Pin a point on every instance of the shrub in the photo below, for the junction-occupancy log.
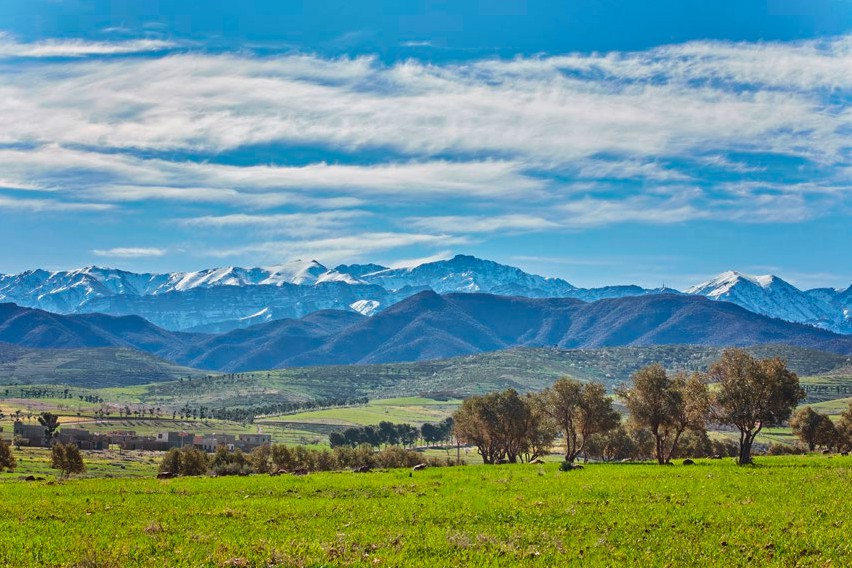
(7, 459)
(260, 459)
(187, 461)
(67, 459)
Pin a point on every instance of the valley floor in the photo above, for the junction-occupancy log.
(784, 511)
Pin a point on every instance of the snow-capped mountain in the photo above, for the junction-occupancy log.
(220, 299)
(469, 274)
(770, 295)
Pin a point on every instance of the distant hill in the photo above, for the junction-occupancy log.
(87, 368)
(37, 328)
(431, 326)
(524, 369)
(427, 326)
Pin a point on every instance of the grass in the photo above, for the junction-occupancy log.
(785, 511)
(410, 410)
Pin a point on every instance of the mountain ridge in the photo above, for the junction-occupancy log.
(426, 326)
(221, 299)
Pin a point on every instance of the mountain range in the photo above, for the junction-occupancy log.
(425, 326)
(223, 299)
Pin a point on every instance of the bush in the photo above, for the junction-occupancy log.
(725, 448)
(7, 459)
(776, 449)
(226, 462)
(67, 459)
(260, 459)
(187, 461)
(694, 444)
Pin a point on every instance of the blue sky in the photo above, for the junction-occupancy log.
(604, 142)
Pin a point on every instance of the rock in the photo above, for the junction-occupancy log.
(30, 478)
(362, 469)
(688, 461)
(844, 453)
(419, 467)
(716, 457)
(278, 472)
(627, 460)
(300, 471)
(537, 461)
(166, 475)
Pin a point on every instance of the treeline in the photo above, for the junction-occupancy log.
(247, 415)
(668, 415)
(279, 458)
(387, 433)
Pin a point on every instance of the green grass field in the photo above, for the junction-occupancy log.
(786, 511)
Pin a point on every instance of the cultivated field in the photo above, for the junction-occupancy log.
(786, 511)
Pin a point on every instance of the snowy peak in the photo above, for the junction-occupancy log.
(464, 273)
(772, 296)
(725, 282)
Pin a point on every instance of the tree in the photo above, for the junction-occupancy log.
(50, 422)
(67, 459)
(812, 428)
(502, 425)
(616, 444)
(844, 428)
(667, 407)
(752, 393)
(579, 410)
(189, 461)
(260, 458)
(7, 459)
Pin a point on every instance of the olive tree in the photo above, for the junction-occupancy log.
(503, 425)
(752, 394)
(813, 429)
(579, 410)
(667, 407)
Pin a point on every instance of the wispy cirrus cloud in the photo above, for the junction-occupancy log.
(129, 252)
(9, 47)
(340, 248)
(50, 205)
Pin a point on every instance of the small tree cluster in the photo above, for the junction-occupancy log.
(67, 459)
(188, 461)
(505, 426)
(814, 429)
(384, 433)
(437, 433)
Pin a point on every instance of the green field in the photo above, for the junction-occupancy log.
(785, 511)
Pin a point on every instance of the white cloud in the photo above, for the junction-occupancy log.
(337, 249)
(122, 177)
(129, 252)
(46, 205)
(674, 100)
(481, 224)
(78, 48)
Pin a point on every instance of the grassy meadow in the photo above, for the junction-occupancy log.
(785, 511)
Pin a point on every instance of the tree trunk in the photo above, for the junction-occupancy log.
(746, 442)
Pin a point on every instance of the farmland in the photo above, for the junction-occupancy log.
(783, 511)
